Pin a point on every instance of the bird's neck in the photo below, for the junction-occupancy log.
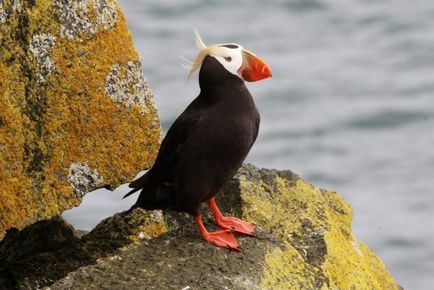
(223, 89)
(232, 100)
(212, 83)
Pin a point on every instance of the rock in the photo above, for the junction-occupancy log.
(320, 251)
(46, 251)
(176, 260)
(304, 241)
(74, 106)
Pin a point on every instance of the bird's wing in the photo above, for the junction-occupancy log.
(167, 155)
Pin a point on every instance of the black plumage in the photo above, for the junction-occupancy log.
(204, 147)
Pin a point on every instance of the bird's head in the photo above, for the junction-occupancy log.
(233, 58)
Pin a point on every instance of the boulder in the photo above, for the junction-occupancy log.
(74, 106)
(46, 251)
(304, 241)
(319, 249)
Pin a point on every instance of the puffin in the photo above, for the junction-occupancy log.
(208, 142)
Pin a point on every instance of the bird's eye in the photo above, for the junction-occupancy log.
(228, 59)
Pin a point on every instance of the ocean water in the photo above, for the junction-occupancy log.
(350, 106)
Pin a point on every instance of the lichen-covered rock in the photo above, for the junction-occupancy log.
(304, 241)
(74, 106)
(46, 251)
(320, 251)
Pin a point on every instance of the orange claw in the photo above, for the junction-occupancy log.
(223, 238)
(231, 223)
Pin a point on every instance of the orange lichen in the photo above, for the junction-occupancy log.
(49, 123)
(13, 179)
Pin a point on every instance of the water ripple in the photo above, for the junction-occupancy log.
(388, 120)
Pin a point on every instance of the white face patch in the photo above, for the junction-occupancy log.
(230, 56)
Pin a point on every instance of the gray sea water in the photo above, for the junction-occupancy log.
(350, 106)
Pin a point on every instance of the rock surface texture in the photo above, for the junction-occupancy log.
(304, 241)
(74, 105)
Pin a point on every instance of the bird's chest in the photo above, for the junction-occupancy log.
(233, 130)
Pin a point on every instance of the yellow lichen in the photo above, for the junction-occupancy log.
(284, 212)
(286, 269)
(350, 263)
(319, 250)
(147, 232)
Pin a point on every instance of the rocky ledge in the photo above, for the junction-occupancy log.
(304, 241)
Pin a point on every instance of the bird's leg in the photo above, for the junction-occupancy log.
(223, 238)
(230, 223)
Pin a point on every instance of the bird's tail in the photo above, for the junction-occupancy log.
(139, 183)
(131, 192)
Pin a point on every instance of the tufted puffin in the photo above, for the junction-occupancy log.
(208, 142)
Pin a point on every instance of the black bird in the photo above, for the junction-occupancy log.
(208, 142)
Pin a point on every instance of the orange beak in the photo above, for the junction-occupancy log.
(254, 68)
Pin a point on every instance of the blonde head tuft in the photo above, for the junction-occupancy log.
(216, 50)
(199, 41)
(200, 56)
(203, 52)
